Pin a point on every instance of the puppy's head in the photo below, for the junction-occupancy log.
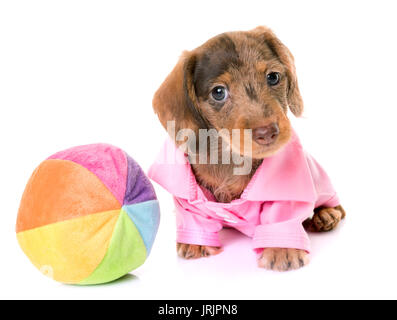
(236, 80)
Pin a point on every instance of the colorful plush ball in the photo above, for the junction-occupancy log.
(88, 215)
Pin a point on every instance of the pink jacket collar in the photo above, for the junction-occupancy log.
(282, 177)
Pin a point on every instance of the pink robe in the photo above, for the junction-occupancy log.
(282, 193)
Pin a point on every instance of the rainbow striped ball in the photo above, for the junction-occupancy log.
(88, 215)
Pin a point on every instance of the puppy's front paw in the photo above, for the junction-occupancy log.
(280, 259)
(193, 251)
(324, 219)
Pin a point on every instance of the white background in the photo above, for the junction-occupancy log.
(78, 72)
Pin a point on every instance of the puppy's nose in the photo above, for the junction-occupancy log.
(267, 134)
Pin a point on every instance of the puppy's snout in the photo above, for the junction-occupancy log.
(266, 135)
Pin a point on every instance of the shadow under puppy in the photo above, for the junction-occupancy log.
(241, 80)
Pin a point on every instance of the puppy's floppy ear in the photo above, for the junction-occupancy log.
(176, 100)
(294, 98)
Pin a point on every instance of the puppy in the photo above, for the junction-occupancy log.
(244, 81)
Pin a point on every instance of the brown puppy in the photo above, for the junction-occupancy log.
(238, 80)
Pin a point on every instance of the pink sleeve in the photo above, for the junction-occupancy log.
(326, 194)
(194, 226)
(281, 225)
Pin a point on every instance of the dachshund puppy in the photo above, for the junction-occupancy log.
(244, 80)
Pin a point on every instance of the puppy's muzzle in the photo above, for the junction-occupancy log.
(266, 135)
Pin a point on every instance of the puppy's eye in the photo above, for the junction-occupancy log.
(219, 93)
(273, 78)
